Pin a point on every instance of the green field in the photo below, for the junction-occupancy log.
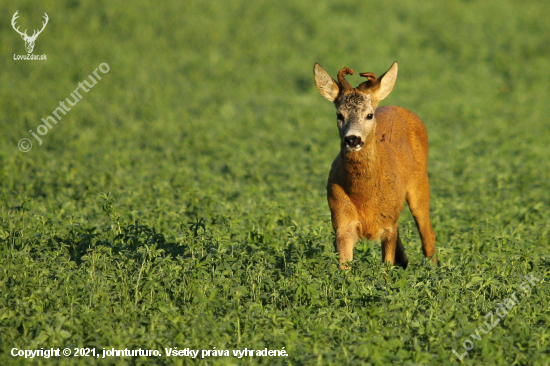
(182, 202)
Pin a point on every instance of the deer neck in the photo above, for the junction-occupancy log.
(361, 168)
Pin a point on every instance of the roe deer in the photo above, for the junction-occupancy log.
(382, 162)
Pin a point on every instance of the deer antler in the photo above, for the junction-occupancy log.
(369, 83)
(35, 35)
(346, 86)
(15, 16)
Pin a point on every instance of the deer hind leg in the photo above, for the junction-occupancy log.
(346, 238)
(418, 200)
(393, 249)
(400, 256)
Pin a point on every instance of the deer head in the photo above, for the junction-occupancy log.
(355, 107)
(29, 41)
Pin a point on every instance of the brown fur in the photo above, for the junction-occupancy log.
(366, 188)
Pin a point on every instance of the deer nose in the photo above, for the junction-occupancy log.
(353, 141)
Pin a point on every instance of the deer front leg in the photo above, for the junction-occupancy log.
(346, 238)
(393, 249)
(345, 221)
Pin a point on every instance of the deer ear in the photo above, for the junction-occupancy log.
(327, 86)
(386, 82)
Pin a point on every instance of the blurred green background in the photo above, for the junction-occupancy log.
(212, 147)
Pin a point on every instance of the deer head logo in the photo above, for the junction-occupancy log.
(29, 41)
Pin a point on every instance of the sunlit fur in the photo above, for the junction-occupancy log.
(366, 188)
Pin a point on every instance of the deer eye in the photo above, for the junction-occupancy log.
(339, 116)
(369, 116)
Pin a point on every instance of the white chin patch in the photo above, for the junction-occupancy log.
(354, 149)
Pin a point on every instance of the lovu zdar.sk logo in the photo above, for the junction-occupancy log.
(29, 40)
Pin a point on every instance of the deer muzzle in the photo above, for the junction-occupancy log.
(353, 142)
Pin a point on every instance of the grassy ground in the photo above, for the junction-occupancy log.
(181, 203)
